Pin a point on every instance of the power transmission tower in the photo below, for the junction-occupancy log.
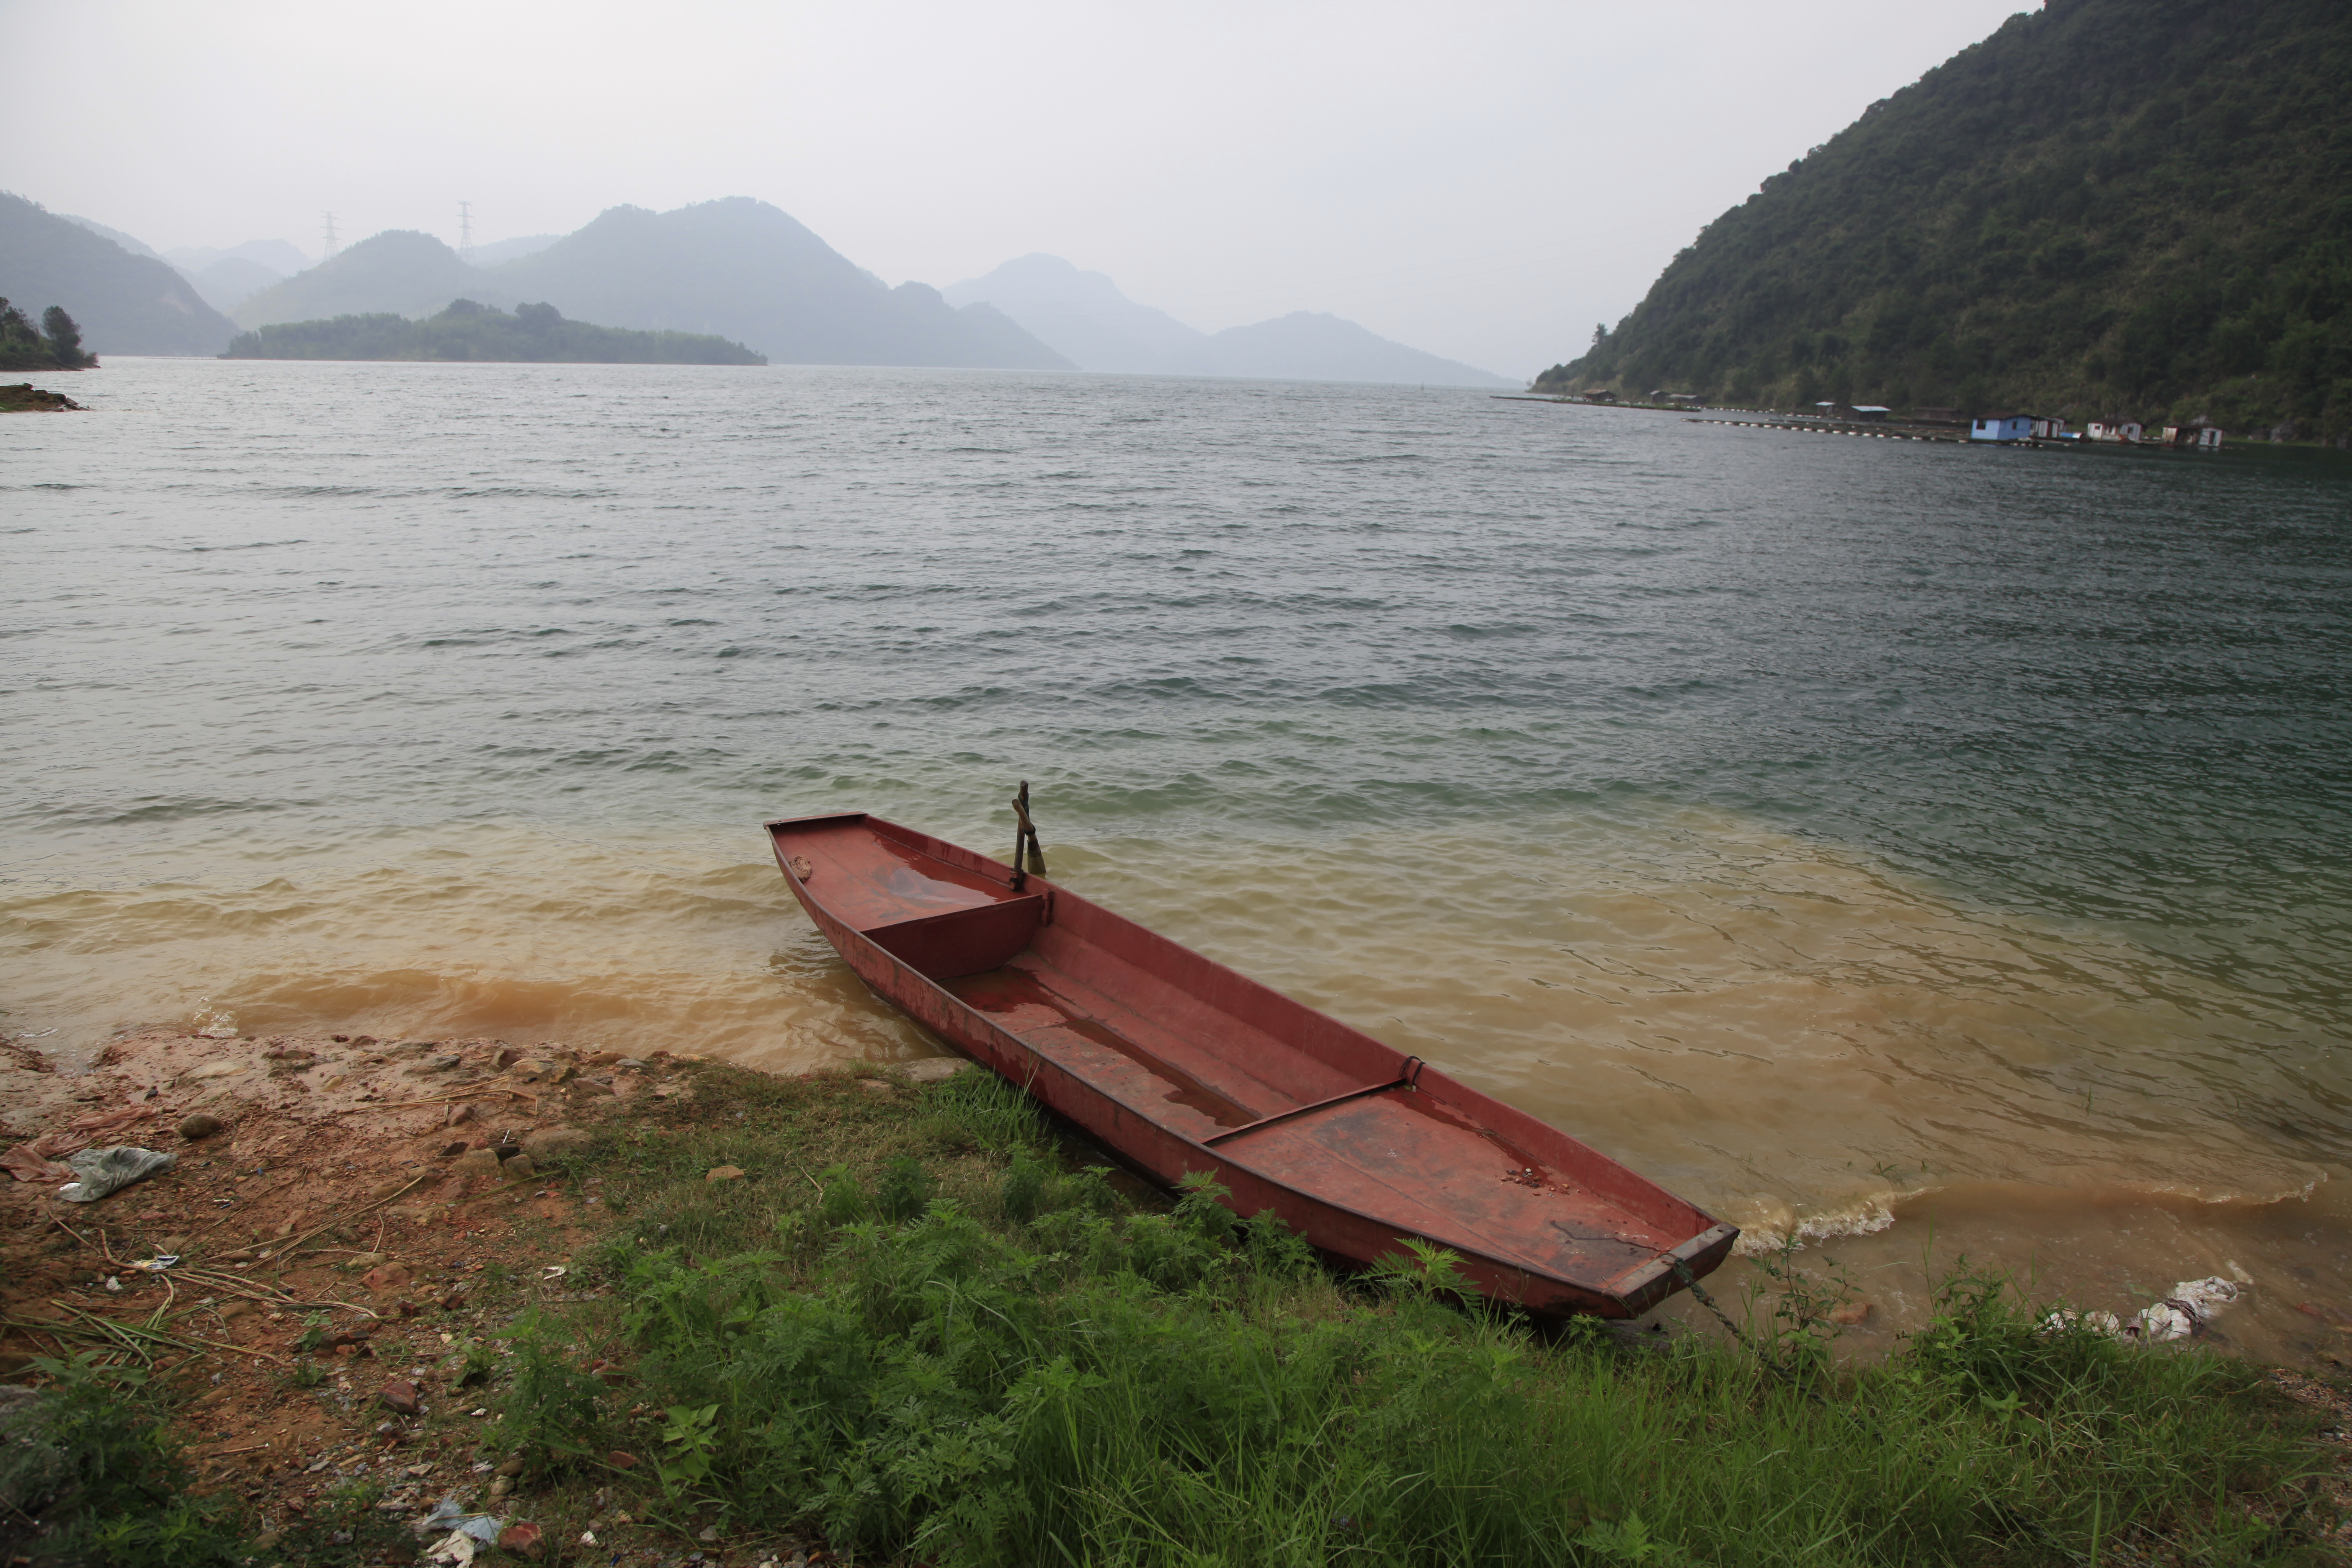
(330, 234)
(466, 230)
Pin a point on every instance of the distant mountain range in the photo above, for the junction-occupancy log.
(1085, 317)
(124, 301)
(735, 269)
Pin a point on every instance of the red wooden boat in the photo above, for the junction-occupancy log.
(1178, 1064)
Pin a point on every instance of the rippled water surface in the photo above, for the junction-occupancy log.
(1853, 835)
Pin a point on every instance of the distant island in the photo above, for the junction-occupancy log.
(467, 331)
(56, 344)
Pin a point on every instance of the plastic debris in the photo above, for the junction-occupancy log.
(449, 1514)
(155, 1265)
(2192, 1304)
(456, 1549)
(104, 1171)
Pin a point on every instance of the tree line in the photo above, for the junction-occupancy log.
(469, 330)
(54, 344)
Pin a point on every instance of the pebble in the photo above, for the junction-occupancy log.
(399, 1397)
(936, 1069)
(723, 1173)
(520, 1539)
(203, 1125)
(1851, 1314)
(546, 1143)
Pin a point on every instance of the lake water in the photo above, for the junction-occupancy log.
(1891, 843)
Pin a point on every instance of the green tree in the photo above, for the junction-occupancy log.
(65, 337)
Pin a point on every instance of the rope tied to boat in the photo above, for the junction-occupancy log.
(1025, 842)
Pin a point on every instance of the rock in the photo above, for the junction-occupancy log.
(876, 1086)
(399, 1397)
(212, 1070)
(936, 1069)
(549, 1142)
(451, 1150)
(459, 1114)
(709, 1533)
(512, 1467)
(1851, 1314)
(499, 1487)
(588, 1089)
(621, 1461)
(519, 1169)
(477, 1163)
(520, 1539)
(505, 1057)
(563, 1072)
(203, 1125)
(444, 1064)
(601, 1059)
(628, 1064)
(386, 1276)
(723, 1173)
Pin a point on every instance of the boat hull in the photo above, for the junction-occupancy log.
(1179, 1065)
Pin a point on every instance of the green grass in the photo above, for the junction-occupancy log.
(919, 1327)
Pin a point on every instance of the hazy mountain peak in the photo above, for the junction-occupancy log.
(399, 271)
(280, 256)
(136, 247)
(1086, 317)
(124, 302)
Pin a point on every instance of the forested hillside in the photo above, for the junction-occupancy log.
(2109, 207)
(126, 304)
(471, 331)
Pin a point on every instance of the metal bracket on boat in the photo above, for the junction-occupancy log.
(1410, 1075)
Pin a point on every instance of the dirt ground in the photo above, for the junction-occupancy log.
(355, 1199)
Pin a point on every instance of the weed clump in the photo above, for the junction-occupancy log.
(89, 1475)
(951, 1342)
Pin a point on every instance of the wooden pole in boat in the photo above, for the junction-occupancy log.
(1025, 842)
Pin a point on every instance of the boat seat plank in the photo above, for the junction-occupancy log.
(870, 880)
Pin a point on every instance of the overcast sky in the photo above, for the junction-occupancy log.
(1485, 181)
